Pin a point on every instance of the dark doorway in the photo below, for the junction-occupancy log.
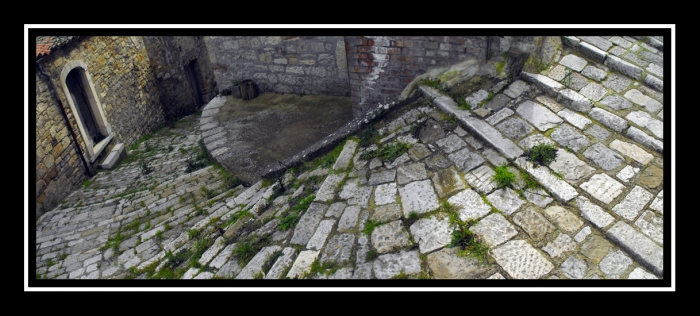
(192, 68)
(76, 86)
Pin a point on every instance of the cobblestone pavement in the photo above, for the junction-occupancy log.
(595, 212)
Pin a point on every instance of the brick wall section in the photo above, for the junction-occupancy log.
(282, 64)
(125, 86)
(380, 67)
(169, 57)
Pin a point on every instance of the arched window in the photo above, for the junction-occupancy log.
(80, 92)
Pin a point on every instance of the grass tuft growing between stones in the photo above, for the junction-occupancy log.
(542, 154)
(503, 176)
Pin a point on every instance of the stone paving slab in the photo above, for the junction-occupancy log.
(614, 264)
(499, 116)
(255, 265)
(574, 268)
(563, 218)
(561, 190)
(602, 187)
(645, 120)
(345, 156)
(515, 128)
(603, 156)
(319, 237)
(348, 221)
(571, 168)
(481, 179)
(624, 67)
(608, 119)
(308, 223)
(516, 88)
(658, 203)
(505, 200)
(494, 230)
(627, 173)
(382, 177)
(539, 116)
(639, 98)
(329, 187)
(411, 172)
(633, 203)
(465, 160)
(521, 261)
(563, 244)
(543, 83)
(574, 119)
(446, 182)
(389, 265)
(431, 234)
(533, 223)
(390, 236)
(281, 264)
(593, 213)
(631, 150)
(339, 248)
(597, 41)
(385, 193)
(419, 197)
(574, 100)
(387, 213)
(643, 138)
(652, 226)
(574, 62)
(302, 263)
(469, 204)
(447, 264)
(593, 72)
(616, 102)
(593, 91)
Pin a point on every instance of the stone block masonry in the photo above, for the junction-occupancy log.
(281, 64)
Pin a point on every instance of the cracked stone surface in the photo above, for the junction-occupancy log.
(431, 233)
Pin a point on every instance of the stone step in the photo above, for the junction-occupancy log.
(477, 126)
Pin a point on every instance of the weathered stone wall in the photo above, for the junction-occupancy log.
(169, 57)
(282, 64)
(125, 86)
(58, 167)
(381, 66)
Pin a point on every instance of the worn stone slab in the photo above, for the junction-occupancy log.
(208, 255)
(634, 59)
(494, 230)
(658, 204)
(348, 221)
(521, 261)
(638, 245)
(398, 161)
(643, 138)
(617, 82)
(561, 190)
(255, 264)
(616, 102)
(574, 268)
(329, 187)
(389, 265)
(499, 116)
(574, 119)
(651, 225)
(593, 213)
(375, 163)
(450, 143)
(593, 91)
(538, 197)
(470, 205)
(563, 218)
(539, 116)
(389, 237)
(481, 179)
(574, 100)
(410, 173)
(382, 177)
(638, 273)
(627, 173)
(281, 264)
(516, 88)
(604, 157)
(618, 51)
(592, 52)
(562, 244)
(594, 73)
(571, 168)
(614, 264)
(656, 70)
(319, 237)
(476, 144)
(574, 62)
(558, 73)
(419, 197)
(385, 193)
(447, 264)
(437, 162)
(608, 119)
(418, 152)
(493, 137)
(598, 132)
(475, 98)
(483, 111)
(631, 150)
(498, 102)
(624, 67)
(307, 224)
(645, 120)
(345, 156)
(493, 157)
(571, 41)
(363, 247)
(620, 41)
(515, 128)
(387, 213)
(336, 209)
(431, 233)
(362, 271)
(652, 177)
(654, 83)
(550, 103)
(505, 200)
(596, 248)
(603, 187)
(338, 249)
(446, 182)
(547, 85)
(565, 135)
(596, 41)
(465, 160)
(633, 203)
(533, 223)
(302, 263)
(534, 140)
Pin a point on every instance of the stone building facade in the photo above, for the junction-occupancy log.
(98, 91)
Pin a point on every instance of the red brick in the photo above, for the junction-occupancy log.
(404, 58)
(363, 56)
(370, 42)
(360, 69)
(393, 51)
(364, 49)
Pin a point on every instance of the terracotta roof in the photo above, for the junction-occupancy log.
(45, 44)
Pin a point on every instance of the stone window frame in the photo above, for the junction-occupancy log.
(93, 150)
